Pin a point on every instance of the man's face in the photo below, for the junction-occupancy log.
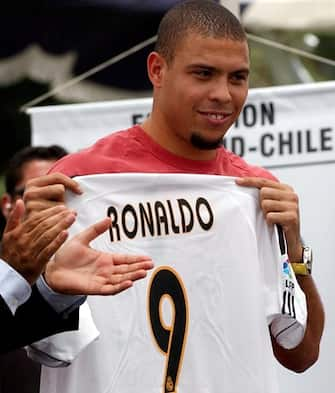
(30, 170)
(202, 92)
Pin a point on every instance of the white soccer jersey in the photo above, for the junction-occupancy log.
(199, 323)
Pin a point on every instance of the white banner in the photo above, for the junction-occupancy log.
(288, 129)
(278, 126)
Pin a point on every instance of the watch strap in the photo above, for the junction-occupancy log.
(300, 268)
(304, 267)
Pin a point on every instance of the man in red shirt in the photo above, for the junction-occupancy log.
(199, 72)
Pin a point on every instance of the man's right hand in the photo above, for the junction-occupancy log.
(28, 244)
(78, 269)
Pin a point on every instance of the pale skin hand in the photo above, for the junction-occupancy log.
(49, 190)
(28, 244)
(280, 205)
(79, 269)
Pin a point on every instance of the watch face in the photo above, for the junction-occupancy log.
(307, 258)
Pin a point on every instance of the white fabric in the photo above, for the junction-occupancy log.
(55, 351)
(233, 279)
(296, 15)
(14, 289)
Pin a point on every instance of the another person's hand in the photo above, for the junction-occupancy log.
(46, 191)
(79, 269)
(280, 205)
(28, 244)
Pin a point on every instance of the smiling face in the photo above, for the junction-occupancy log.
(198, 95)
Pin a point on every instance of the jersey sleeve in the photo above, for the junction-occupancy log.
(285, 302)
(61, 349)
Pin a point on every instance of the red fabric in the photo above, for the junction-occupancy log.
(133, 150)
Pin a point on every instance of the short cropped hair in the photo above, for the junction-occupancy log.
(205, 17)
(14, 171)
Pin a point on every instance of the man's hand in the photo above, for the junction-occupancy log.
(27, 245)
(79, 269)
(46, 191)
(280, 205)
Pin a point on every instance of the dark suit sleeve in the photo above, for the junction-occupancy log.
(33, 320)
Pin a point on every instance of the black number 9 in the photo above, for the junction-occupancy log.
(165, 283)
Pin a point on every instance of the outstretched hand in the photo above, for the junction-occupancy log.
(280, 205)
(79, 269)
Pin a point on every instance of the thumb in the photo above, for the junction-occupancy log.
(94, 231)
(15, 216)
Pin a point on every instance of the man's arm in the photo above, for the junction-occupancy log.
(27, 246)
(75, 269)
(306, 353)
(32, 321)
(280, 205)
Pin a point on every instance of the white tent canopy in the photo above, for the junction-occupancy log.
(298, 15)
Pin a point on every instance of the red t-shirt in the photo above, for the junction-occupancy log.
(133, 150)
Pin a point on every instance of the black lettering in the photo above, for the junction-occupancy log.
(299, 142)
(174, 227)
(267, 113)
(146, 219)
(289, 284)
(161, 218)
(137, 118)
(238, 145)
(310, 148)
(325, 138)
(249, 115)
(285, 142)
(130, 233)
(112, 213)
(182, 203)
(204, 225)
(252, 114)
(267, 152)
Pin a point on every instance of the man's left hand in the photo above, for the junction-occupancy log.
(280, 205)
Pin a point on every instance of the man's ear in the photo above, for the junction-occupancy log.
(6, 204)
(156, 66)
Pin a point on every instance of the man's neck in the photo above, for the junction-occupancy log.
(175, 144)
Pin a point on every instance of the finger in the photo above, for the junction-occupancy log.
(55, 178)
(279, 195)
(54, 192)
(130, 267)
(50, 215)
(286, 219)
(128, 259)
(45, 233)
(122, 282)
(257, 182)
(110, 289)
(278, 206)
(47, 252)
(128, 272)
(15, 216)
(94, 231)
(36, 206)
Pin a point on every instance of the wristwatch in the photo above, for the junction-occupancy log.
(304, 268)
